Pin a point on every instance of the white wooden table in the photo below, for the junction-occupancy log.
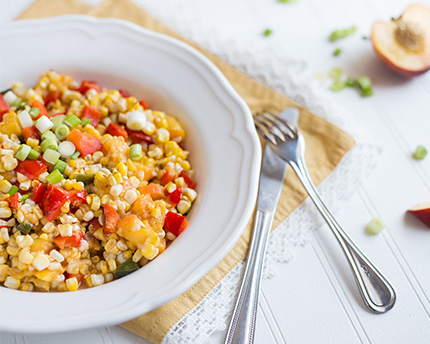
(314, 299)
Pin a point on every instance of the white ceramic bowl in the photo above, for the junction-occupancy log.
(225, 152)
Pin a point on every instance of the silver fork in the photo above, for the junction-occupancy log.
(287, 142)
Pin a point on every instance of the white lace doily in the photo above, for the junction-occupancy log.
(287, 76)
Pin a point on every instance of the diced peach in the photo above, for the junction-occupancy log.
(131, 229)
(141, 206)
(174, 128)
(155, 190)
(41, 245)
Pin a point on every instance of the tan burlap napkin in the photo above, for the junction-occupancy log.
(325, 143)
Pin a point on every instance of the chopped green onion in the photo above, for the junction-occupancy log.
(43, 124)
(60, 165)
(375, 226)
(85, 121)
(24, 227)
(136, 120)
(338, 85)
(125, 268)
(72, 121)
(16, 102)
(366, 38)
(22, 106)
(66, 149)
(85, 178)
(350, 82)
(9, 97)
(136, 152)
(24, 198)
(22, 152)
(267, 32)
(34, 112)
(54, 177)
(62, 131)
(57, 121)
(51, 156)
(335, 73)
(365, 86)
(420, 153)
(33, 155)
(75, 155)
(25, 119)
(337, 52)
(51, 143)
(338, 34)
(13, 190)
(48, 135)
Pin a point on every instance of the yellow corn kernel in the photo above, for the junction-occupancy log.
(12, 283)
(185, 165)
(89, 129)
(127, 254)
(104, 267)
(32, 142)
(5, 213)
(112, 180)
(78, 186)
(105, 199)
(104, 160)
(105, 138)
(149, 251)
(27, 287)
(104, 111)
(101, 177)
(122, 168)
(5, 186)
(12, 251)
(152, 238)
(72, 284)
(118, 177)
(112, 264)
(131, 166)
(95, 203)
(72, 163)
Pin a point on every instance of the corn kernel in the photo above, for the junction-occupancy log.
(104, 267)
(72, 284)
(12, 283)
(40, 261)
(112, 264)
(97, 279)
(12, 251)
(5, 186)
(131, 166)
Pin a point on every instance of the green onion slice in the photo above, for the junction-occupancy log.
(60, 165)
(33, 155)
(72, 121)
(75, 155)
(85, 121)
(17, 102)
(50, 143)
(22, 152)
(51, 156)
(420, 153)
(57, 121)
(62, 131)
(34, 112)
(375, 226)
(136, 152)
(54, 177)
(25, 197)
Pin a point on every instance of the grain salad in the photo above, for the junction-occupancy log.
(93, 184)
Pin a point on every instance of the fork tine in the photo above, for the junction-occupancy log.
(271, 126)
(288, 125)
(264, 131)
(280, 124)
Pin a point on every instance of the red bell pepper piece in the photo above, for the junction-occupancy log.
(175, 196)
(38, 192)
(84, 143)
(168, 177)
(139, 136)
(124, 93)
(69, 241)
(175, 223)
(31, 168)
(144, 104)
(87, 85)
(116, 130)
(13, 201)
(94, 225)
(77, 198)
(191, 183)
(41, 107)
(52, 97)
(55, 197)
(91, 113)
(111, 219)
(52, 201)
(57, 114)
(30, 132)
(4, 107)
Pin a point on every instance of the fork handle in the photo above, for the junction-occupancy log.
(242, 324)
(377, 293)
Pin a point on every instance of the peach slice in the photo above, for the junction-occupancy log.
(403, 44)
(422, 212)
